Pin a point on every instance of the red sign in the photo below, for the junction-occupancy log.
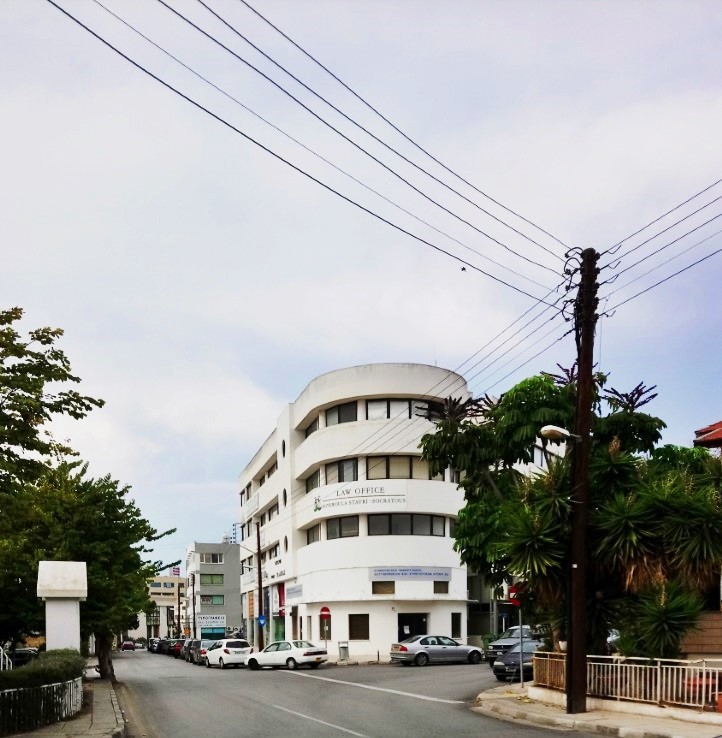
(325, 613)
(514, 591)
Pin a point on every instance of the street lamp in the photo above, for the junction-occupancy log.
(576, 657)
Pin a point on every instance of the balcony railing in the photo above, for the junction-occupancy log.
(692, 684)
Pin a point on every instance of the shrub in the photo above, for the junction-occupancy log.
(60, 665)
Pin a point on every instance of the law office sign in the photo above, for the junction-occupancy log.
(392, 573)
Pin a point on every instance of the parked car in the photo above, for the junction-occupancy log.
(174, 648)
(509, 664)
(22, 655)
(507, 640)
(290, 654)
(199, 649)
(424, 649)
(153, 644)
(162, 645)
(227, 652)
(127, 646)
(184, 649)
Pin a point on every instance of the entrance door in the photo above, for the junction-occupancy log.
(411, 623)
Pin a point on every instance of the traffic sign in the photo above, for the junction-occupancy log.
(261, 620)
(325, 613)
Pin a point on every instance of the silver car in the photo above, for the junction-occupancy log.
(424, 649)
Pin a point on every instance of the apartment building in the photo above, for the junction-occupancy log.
(353, 535)
(167, 594)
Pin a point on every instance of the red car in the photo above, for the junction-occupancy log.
(175, 647)
(127, 646)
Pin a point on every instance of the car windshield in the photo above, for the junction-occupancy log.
(529, 647)
(303, 644)
(237, 644)
(411, 639)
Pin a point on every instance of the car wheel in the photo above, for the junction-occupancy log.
(221, 664)
(253, 665)
(500, 678)
(474, 657)
(208, 663)
(291, 664)
(421, 659)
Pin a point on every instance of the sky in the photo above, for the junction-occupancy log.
(202, 282)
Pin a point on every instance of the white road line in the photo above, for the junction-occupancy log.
(376, 689)
(323, 722)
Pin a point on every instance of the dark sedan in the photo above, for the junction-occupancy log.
(510, 664)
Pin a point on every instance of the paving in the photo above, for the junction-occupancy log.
(102, 717)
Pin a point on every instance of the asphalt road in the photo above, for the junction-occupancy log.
(167, 698)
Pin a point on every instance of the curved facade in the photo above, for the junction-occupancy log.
(355, 538)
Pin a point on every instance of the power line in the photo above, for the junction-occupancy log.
(310, 150)
(285, 161)
(354, 143)
(368, 132)
(396, 128)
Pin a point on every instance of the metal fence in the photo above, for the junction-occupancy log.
(693, 684)
(31, 707)
(5, 662)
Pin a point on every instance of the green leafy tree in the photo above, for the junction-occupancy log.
(655, 526)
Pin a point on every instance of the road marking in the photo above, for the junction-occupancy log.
(376, 689)
(323, 722)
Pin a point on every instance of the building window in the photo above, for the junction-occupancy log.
(456, 625)
(211, 579)
(212, 600)
(346, 413)
(155, 584)
(274, 551)
(283, 449)
(272, 470)
(452, 527)
(345, 470)
(399, 467)
(285, 544)
(358, 627)
(263, 519)
(383, 588)
(405, 524)
(311, 428)
(441, 588)
(387, 409)
(313, 481)
(272, 511)
(285, 498)
(313, 534)
(168, 585)
(211, 558)
(342, 527)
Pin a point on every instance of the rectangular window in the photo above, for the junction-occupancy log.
(274, 551)
(273, 468)
(313, 481)
(168, 585)
(437, 525)
(452, 527)
(376, 467)
(263, 519)
(379, 525)
(399, 467)
(401, 524)
(313, 534)
(419, 468)
(345, 470)
(383, 588)
(346, 413)
(441, 588)
(456, 625)
(398, 409)
(377, 410)
(342, 527)
(312, 428)
(358, 627)
(155, 584)
(212, 600)
(211, 579)
(211, 558)
(422, 525)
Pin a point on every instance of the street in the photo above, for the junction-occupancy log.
(163, 697)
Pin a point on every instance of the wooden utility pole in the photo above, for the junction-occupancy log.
(585, 318)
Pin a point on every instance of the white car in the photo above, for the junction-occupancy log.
(290, 654)
(227, 652)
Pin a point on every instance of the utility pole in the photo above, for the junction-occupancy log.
(585, 318)
(260, 586)
(193, 600)
(179, 612)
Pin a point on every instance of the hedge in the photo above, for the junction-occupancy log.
(50, 667)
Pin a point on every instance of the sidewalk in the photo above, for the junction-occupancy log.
(101, 716)
(512, 702)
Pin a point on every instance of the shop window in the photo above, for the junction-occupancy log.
(358, 627)
(441, 588)
(346, 527)
(383, 588)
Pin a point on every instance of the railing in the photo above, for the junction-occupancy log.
(5, 661)
(693, 684)
(30, 707)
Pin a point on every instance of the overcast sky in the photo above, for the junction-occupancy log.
(202, 283)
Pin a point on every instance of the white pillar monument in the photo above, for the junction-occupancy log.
(62, 584)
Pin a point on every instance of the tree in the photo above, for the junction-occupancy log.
(77, 518)
(655, 523)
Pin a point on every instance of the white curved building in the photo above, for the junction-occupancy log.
(347, 520)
